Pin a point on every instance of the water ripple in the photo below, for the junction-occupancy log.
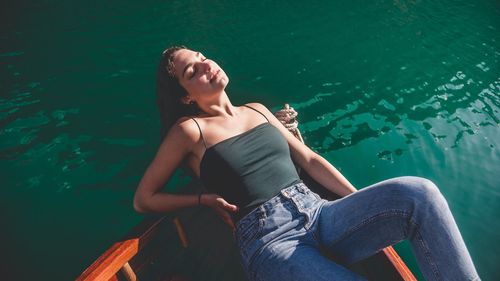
(459, 101)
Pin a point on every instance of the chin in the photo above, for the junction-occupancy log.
(223, 82)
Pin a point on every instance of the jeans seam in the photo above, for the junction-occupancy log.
(254, 256)
(369, 220)
(428, 254)
(316, 221)
(300, 210)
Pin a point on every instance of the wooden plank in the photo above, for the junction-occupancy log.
(128, 272)
(106, 266)
(111, 261)
(181, 232)
(399, 264)
(145, 263)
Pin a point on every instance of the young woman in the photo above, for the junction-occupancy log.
(243, 155)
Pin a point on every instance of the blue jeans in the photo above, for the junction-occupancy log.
(282, 238)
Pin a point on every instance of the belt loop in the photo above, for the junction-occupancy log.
(285, 192)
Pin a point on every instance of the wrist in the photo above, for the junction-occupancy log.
(200, 199)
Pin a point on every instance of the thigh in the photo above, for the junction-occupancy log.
(363, 223)
(299, 262)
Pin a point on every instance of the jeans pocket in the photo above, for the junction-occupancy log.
(307, 203)
(248, 234)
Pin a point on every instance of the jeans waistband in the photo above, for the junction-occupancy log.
(286, 192)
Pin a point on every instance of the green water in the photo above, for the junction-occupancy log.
(383, 88)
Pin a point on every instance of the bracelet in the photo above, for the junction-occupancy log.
(199, 198)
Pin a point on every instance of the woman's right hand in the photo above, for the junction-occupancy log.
(221, 207)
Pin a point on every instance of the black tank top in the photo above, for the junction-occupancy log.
(250, 168)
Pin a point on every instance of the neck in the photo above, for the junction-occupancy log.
(219, 106)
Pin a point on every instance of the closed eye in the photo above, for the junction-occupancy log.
(193, 73)
(195, 69)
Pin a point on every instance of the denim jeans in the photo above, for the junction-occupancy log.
(282, 238)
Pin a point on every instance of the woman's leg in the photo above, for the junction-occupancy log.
(276, 242)
(361, 224)
(297, 260)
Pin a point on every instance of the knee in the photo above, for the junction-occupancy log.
(423, 184)
(422, 189)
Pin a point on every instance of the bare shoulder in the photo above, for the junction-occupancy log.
(184, 131)
(260, 107)
(270, 116)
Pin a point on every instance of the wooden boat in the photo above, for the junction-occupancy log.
(163, 248)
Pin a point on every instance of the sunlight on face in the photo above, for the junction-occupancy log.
(198, 75)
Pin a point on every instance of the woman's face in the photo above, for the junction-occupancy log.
(201, 77)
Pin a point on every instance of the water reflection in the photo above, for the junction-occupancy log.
(448, 111)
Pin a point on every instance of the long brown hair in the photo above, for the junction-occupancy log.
(169, 93)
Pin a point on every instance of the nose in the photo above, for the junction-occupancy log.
(206, 65)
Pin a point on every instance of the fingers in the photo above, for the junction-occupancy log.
(229, 207)
(226, 217)
(222, 207)
(226, 206)
(229, 221)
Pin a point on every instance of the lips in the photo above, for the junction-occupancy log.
(214, 76)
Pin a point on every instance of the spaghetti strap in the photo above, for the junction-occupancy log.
(201, 134)
(257, 111)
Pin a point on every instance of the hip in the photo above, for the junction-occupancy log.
(288, 215)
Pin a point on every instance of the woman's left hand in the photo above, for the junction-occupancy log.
(221, 207)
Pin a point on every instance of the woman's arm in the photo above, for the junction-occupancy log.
(314, 164)
(178, 143)
(175, 147)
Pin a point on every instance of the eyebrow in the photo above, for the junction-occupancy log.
(189, 64)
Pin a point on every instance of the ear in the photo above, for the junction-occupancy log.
(186, 100)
